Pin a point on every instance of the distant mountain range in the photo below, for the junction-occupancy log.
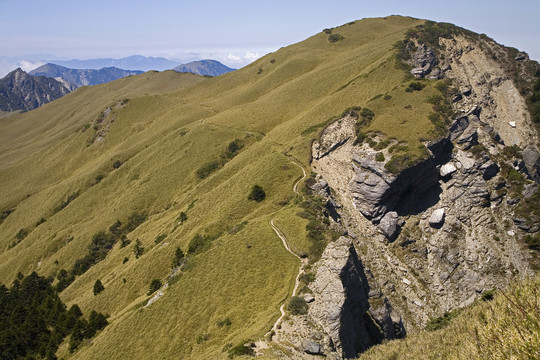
(83, 77)
(26, 91)
(21, 91)
(204, 67)
(135, 62)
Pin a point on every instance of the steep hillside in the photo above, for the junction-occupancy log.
(204, 67)
(20, 91)
(83, 77)
(148, 184)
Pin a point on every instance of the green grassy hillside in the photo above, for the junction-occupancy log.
(75, 166)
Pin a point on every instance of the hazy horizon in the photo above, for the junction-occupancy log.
(235, 33)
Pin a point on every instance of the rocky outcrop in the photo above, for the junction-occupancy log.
(449, 216)
(376, 191)
(341, 322)
(424, 63)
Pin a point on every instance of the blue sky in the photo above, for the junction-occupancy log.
(234, 32)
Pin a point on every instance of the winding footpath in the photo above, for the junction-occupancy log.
(303, 261)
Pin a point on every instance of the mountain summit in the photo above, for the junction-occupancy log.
(21, 91)
(204, 67)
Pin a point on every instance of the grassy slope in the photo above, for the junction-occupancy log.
(172, 125)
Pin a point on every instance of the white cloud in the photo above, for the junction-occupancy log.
(29, 65)
(234, 59)
(250, 56)
(7, 65)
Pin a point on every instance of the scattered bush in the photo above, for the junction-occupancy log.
(379, 156)
(207, 169)
(138, 250)
(297, 306)
(160, 238)
(335, 37)
(225, 322)
(155, 285)
(69, 199)
(98, 287)
(415, 86)
(136, 219)
(21, 234)
(178, 258)
(307, 277)
(182, 218)
(533, 242)
(232, 150)
(199, 243)
(487, 295)
(442, 321)
(117, 164)
(257, 194)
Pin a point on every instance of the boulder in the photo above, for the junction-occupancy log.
(308, 297)
(389, 225)
(531, 157)
(489, 169)
(448, 169)
(437, 218)
(312, 347)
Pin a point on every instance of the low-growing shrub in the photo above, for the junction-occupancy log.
(138, 249)
(160, 238)
(335, 37)
(257, 194)
(155, 285)
(297, 306)
(98, 287)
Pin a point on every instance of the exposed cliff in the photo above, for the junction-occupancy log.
(438, 233)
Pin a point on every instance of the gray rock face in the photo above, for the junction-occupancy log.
(489, 169)
(341, 301)
(423, 62)
(376, 191)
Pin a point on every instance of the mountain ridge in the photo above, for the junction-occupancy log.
(135, 148)
(82, 77)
